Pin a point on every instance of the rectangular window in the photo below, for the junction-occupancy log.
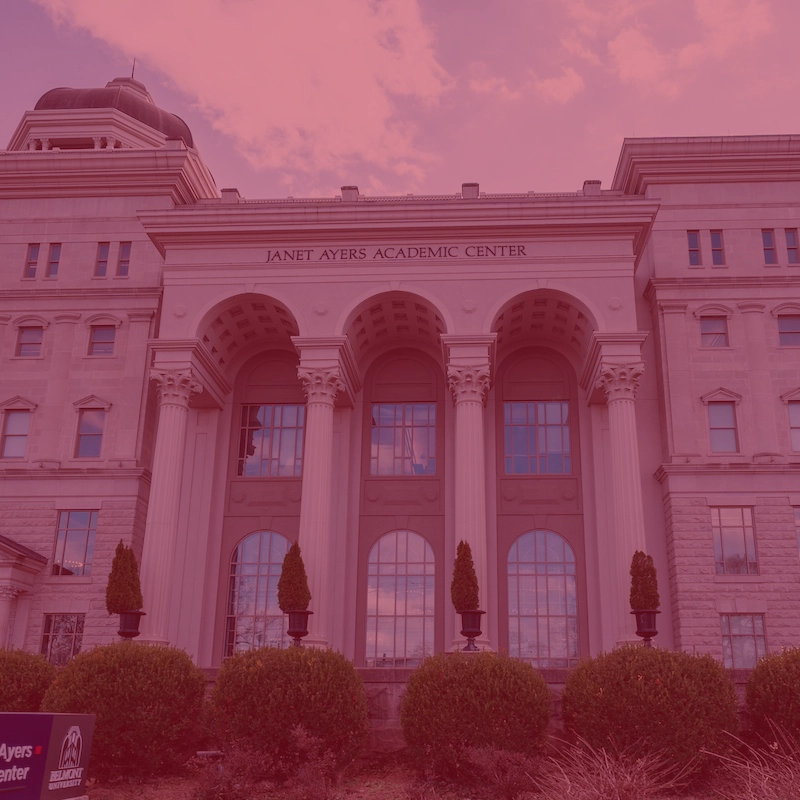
(90, 432)
(31, 261)
(52, 261)
(403, 439)
(713, 332)
(694, 248)
(794, 424)
(29, 341)
(768, 240)
(792, 254)
(734, 541)
(788, 330)
(75, 543)
(537, 438)
(743, 640)
(797, 527)
(62, 637)
(717, 249)
(124, 259)
(101, 265)
(16, 425)
(101, 340)
(722, 427)
(271, 441)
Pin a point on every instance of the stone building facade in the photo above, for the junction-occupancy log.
(558, 379)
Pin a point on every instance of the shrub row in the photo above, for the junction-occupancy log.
(149, 703)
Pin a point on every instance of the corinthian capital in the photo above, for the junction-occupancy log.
(321, 385)
(175, 386)
(9, 593)
(468, 383)
(620, 381)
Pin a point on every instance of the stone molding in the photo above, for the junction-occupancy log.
(176, 386)
(9, 593)
(321, 385)
(620, 381)
(469, 384)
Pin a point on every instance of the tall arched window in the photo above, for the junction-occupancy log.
(542, 600)
(253, 617)
(400, 613)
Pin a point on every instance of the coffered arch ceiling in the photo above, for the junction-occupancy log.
(544, 317)
(394, 319)
(239, 323)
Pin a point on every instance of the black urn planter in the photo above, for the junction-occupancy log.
(646, 624)
(298, 625)
(129, 623)
(471, 628)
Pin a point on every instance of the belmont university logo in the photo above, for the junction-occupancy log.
(69, 772)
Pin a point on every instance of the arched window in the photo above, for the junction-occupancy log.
(542, 600)
(254, 619)
(400, 613)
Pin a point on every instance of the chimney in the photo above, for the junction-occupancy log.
(470, 191)
(350, 193)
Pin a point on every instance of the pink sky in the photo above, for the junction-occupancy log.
(418, 96)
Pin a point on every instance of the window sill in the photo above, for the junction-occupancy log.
(74, 580)
(26, 358)
(738, 579)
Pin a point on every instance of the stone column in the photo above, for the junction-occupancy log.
(620, 382)
(8, 594)
(175, 388)
(469, 386)
(321, 385)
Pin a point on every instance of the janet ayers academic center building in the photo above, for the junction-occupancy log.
(558, 379)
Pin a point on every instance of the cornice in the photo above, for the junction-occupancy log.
(427, 220)
(725, 159)
(656, 285)
(173, 171)
(666, 470)
(84, 293)
(76, 473)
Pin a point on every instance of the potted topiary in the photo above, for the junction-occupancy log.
(124, 592)
(644, 596)
(464, 594)
(294, 595)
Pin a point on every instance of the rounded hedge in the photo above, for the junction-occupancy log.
(24, 678)
(453, 702)
(148, 701)
(652, 701)
(263, 696)
(773, 694)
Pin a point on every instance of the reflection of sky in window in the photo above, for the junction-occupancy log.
(400, 600)
(271, 441)
(253, 616)
(734, 541)
(536, 438)
(403, 439)
(542, 600)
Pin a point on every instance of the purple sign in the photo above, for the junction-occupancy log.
(44, 756)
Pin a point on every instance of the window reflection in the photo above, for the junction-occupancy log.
(254, 618)
(403, 439)
(542, 600)
(271, 441)
(400, 600)
(537, 438)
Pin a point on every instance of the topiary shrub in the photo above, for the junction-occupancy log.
(148, 701)
(24, 678)
(455, 702)
(773, 695)
(123, 590)
(464, 586)
(644, 583)
(293, 591)
(262, 697)
(653, 702)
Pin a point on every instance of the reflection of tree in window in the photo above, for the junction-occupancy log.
(537, 438)
(403, 439)
(75, 543)
(400, 600)
(734, 541)
(62, 637)
(271, 441)
(542, 600)
(254, 618)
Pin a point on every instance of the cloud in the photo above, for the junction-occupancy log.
(636, 59)
(560, 89)
(299, 86)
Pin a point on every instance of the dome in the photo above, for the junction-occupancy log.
(126, 95)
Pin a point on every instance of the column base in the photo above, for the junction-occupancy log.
(152, 639)
(481, 642)
(628, 638)
(316, 640)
